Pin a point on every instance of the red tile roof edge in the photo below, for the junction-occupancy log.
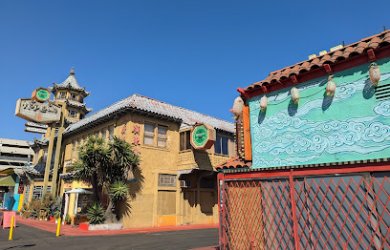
(235, 162)
(345, 53)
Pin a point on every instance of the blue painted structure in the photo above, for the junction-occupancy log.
(351, 126)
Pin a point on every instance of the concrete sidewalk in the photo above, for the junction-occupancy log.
(68, 230)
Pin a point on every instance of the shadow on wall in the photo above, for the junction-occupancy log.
(203, 190)
(368, 90)
(135, 187)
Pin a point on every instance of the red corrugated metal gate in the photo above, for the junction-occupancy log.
(336, 208)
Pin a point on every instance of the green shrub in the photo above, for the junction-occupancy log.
(119, 191)
(95, 214)
(68, 220)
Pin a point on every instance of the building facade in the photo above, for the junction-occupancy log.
(15, 155)
(175, 184)
(314, 170)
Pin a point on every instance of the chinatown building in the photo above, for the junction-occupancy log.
(176, 181)
(313, 167)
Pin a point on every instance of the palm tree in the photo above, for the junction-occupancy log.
(105, 166)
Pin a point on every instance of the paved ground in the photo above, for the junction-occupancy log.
(31, 238)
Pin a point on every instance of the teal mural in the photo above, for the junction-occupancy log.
(352, 125)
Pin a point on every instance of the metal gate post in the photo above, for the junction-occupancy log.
(294, 211)
(220, 208)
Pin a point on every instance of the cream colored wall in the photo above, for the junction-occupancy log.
(154, 161)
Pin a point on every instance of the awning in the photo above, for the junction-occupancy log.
(7, 181)
(78, 191)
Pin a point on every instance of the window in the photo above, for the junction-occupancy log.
(72, 113)
(185, 140)
(167, 180)
(148, 134)
(151, 131)
(111, 132)
(37, 191)
(73, 97)
(221, 145)
(162, 136)
(62, 95)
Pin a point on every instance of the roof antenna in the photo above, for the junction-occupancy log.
(384, 28)
(343, 43)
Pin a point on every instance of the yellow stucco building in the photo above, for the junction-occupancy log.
(175, 184)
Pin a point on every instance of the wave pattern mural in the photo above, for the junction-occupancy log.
(353, 125)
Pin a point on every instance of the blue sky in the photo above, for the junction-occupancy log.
(192, 54)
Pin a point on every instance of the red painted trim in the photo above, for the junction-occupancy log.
(319, 72)
(327, 68)
(371, 55)
(220, 178)
(242, 93)
(347, 169)
(294, 211)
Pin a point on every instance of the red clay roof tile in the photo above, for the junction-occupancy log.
(234, 163)
(373, 42)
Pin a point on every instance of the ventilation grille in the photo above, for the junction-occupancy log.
(383, 92)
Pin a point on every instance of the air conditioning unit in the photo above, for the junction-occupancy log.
(185, 184)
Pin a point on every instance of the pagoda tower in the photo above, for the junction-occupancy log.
(70, 92)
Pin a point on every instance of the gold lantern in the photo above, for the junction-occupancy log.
(330, 86)
(294, 95)
(375, 74)
(263, 103)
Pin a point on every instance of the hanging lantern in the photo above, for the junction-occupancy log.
(263, 103)
(330, 86)
(238, 104)
(295, 95)
(375, 74)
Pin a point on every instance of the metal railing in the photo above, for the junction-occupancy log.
(306, 209)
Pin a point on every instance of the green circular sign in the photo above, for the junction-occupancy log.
(200, 135)
(42, 95)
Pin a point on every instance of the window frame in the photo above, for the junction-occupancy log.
(157, 137)
(147, 134)
(165, 137)
(162, 182)
(73, 113)
(221, 144)
(185, 144)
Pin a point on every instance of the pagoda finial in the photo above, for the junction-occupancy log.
(71, 71)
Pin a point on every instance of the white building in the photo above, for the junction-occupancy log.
(15, 153)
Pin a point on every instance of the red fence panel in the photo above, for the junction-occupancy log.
(337, 211)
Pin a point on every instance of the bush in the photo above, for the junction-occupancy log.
(46, 207)
(119, 191)
(95, 214)
(68, 220)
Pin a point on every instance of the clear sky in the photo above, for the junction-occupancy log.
(190, 53)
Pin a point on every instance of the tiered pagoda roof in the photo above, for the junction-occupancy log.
(70, 83)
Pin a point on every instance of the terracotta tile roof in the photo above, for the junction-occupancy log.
(234, 163)
(136, 102)
(374, 42)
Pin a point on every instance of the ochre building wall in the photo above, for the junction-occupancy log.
(153, 205)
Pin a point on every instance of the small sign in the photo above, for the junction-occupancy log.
(39, 112)
(35, 130)
(6, 220)
(36, 125)
(41, 94)
(202, 136)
